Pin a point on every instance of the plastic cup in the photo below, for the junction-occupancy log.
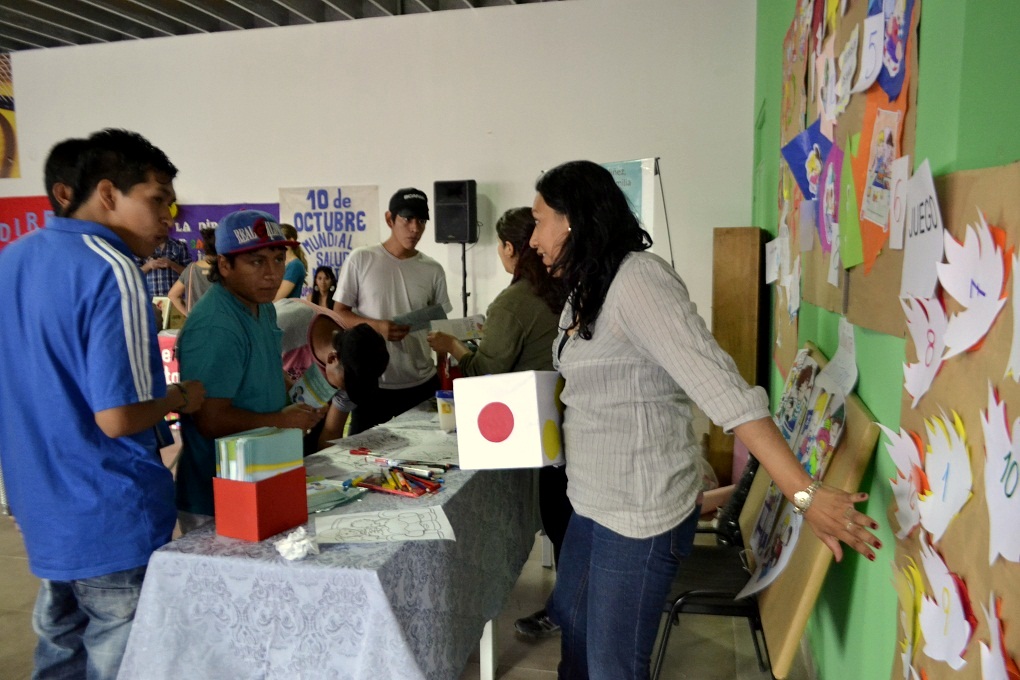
(447, 414)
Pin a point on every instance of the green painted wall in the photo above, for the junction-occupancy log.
(968, 116)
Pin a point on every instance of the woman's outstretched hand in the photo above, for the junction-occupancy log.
(834, 519)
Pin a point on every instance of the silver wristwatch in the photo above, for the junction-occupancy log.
(802, 499)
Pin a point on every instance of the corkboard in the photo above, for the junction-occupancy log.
(786, 605)
(961, 386)
(867, 300)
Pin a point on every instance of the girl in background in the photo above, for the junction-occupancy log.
(297, 267)
(520, 326)
(323, 287)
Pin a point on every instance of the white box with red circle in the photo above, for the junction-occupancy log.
(510, 420)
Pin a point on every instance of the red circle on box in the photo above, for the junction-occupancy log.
(496, 422)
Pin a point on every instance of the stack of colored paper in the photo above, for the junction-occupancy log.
(258, 454)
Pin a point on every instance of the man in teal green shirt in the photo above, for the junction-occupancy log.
(231, 339)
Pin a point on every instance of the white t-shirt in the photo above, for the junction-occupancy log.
(377, 285)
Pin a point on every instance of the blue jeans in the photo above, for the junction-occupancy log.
(83, 625)
(609, 594)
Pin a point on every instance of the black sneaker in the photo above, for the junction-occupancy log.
(536, 626)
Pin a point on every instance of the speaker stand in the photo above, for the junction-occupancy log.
(463, 284)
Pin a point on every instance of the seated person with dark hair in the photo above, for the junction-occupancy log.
(351, 359)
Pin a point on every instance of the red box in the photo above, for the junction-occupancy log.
(253, 511)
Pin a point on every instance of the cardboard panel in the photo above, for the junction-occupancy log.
(961, 387)
(786, 605)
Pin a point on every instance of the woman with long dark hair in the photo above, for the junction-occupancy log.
(323, 287)
(635, 357)
(520, 324)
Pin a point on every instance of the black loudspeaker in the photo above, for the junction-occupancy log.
(456, 211)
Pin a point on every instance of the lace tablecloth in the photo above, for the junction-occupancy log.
(220, 608)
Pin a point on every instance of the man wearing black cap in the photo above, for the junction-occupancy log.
(381, 283)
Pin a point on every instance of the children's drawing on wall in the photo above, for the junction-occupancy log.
(882, 153)
(417, 524)
(822, 432)
(828, 202)
(805, 154)
(897, 28)
(793, 405)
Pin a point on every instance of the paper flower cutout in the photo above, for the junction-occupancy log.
(947, 620)
(1002, 479)
(926, 321)
(975, 275)
(1013, 365)
(908, 585)
(905, 449)
(947, 480)
(996, 664)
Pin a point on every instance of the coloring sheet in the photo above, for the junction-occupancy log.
(385, 526)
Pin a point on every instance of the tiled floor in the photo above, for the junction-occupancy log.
(703, 648)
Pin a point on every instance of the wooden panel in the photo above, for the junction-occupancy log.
(786, 605)
(739, 320)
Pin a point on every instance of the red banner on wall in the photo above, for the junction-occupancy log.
(20, 215)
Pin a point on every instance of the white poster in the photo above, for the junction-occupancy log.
(331, 221)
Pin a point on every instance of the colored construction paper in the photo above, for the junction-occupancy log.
(926, 323)
(894, 54)
(1002, 479)
(883, 122)
(923, 244)
(975, 275)
(947, 473)
(898, 201)
(805, 154)
(946, 618)
(882, 150)
(850, 246)
(909, 587)
(905, 451)
(828, 202)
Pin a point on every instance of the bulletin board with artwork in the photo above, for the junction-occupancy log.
(847, 116)
(956, 507)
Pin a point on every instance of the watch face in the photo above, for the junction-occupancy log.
(801, 498)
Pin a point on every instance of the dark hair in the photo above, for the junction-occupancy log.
(214, 267)
(603, 231)
(209, 242)
(315, 287)
(62, 167)
(125, 158)
(515, 227)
